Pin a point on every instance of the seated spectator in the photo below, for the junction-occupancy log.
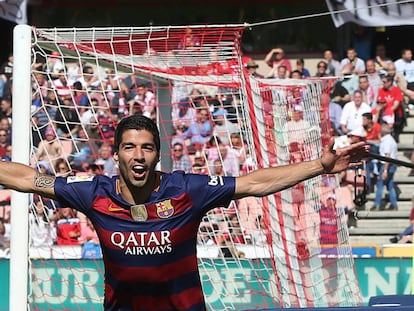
(62, 167)
(4, 235)
(200, 165)
(200, 131)
(3, 143)
(321, 69)
(339, 94)
(276, 58)
(181, 161)
(68, 227)
(183, 115)
(222, 127)
(352, 112)
(252, 67)
(357, 64)
(300, 66)
(106, 160)
(42, 228)
(228, 158)
(405, 236)
(259, 236)
(49, 149)
(333, 65)
(238, 146)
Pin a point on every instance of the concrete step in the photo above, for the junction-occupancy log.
(368, 239)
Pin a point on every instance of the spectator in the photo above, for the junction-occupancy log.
(296, 74)
(390, 100)
(6, 109)
(222, 127)
(42, 229)
(399, 81)
(218, 169)
(106, 160)
(297, 128)
(200, 166)
(387, 148)
(3, 143)
(50, 148)
(62, 167)
(259, 236)
(91, 248)
(374, 79)
(333, 68)
(328, 228)
(252, 67)
(357, 64)
(68, 228)
(339, 94)
(183, 115)
(405, 65)
(300, 66)
(321, 69)
(368, 92)
(62, 86)
(381, 58)
(405, 236)
(352, 113)
(67, 120)
(206, 234)
(274, 59)
(373, 136)
(228, 159)
(349, 79)
(233, 235)
(238, 146)
(335, 113)
(146, 99)
(181, 161)
(4, 235)
(200, 131)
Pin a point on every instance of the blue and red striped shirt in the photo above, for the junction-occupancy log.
(149, 250)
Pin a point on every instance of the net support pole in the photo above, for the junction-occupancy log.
(21, 132)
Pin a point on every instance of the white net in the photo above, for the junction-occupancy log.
(289, 249)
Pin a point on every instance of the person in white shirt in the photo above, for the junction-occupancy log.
(352, 112)
(405, 65)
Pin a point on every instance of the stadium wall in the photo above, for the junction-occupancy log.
(377, 276)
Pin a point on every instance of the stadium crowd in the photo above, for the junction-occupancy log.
(75, 111)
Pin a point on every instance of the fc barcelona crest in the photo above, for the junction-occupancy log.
(164, 209)
(139, 212)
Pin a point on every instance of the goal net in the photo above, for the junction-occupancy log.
(289, 249)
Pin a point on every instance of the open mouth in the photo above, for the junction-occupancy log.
(138, 171)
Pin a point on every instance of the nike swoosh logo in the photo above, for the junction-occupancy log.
(114, 209)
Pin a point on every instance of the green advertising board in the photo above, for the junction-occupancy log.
(77, 284)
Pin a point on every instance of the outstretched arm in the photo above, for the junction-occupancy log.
(270, 180)
(24, 178)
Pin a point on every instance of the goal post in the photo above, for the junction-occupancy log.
(255, 253)
(21, 130)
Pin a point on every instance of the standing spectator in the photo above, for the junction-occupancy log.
(181, 161)
(276, 58)
(321, 69)
(352, 113)
(110, 167)
(387, 148)
(405, 65)
(357, 64)
(42, 229)
(391, 99)
(333, 64)
(68, 228)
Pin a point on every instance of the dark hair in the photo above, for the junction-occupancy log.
(368, 115)
(136, 122)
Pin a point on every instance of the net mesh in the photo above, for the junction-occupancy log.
(289, 249)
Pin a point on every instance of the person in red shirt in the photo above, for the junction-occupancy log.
(373, 132)
(390, 105)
